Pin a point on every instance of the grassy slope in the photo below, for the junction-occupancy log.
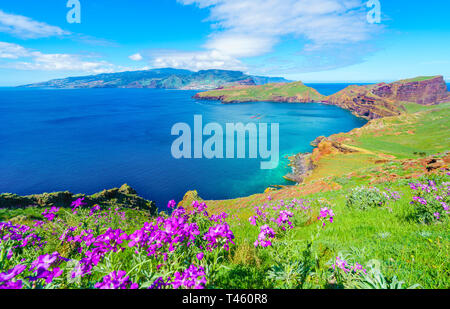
(391, 138)
(417, 79)
(413, 252)
(264, 92)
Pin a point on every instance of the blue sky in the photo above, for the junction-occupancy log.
(308, 40)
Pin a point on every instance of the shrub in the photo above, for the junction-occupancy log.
(365, 198)
(430, 201)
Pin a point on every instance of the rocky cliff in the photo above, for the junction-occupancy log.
(381, 100)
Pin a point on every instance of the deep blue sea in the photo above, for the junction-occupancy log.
(87, 140)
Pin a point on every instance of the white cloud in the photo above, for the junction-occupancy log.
(136, 57)
(21, 58)
(195, 61)
(247, 28)
(12, 51)
(27, 28)
(237, 45)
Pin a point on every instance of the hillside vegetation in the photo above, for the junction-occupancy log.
(288, 92)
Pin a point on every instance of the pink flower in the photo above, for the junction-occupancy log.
(200, 256)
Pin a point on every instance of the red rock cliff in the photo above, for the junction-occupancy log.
(381, 100)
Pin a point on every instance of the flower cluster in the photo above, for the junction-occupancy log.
(325, 215)
(266, 233)
(19, 237)
(284, 219)
(44, 267)
(392, 195)
(163, 245)
(342, 264)
(168, 234)
(199, 207)
(116, 280)
(278, 217)
(94, 209)
(96, 248)
(430, 201)
(192, 278)
(51, 214)
(219, 235)
(77, 204)
(7, 280)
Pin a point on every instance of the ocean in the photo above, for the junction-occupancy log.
(87, 140)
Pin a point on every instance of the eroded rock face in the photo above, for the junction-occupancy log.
(384, 100)
(124, 196)
(426, 92)
(303, 163)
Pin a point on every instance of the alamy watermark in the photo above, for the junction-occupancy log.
(374, 15)
(190, 143)
(74, 14)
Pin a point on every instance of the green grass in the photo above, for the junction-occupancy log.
(417, 79)
(415, 253)
(429, 133)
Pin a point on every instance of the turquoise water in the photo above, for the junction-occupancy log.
(86, 140)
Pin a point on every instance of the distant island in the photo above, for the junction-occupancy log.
(166, 78)
(367, 101)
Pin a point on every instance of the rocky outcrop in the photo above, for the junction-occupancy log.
(419, 90)
(326, 147)
(384, 100)
(303, 163)
(190, 197)
(124, 197)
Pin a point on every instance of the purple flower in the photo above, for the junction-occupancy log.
(218, 235)
(192, 278)
(265, 234)
(95, 209)
(343, 265)
(158, 284)
(420, 200)
(78, 203)
(12, 273)
(326, 213)
(199, 207)
(200, 256)
(42, 267)
(17, 285)
(117, 280)
(171, 204)
(50, 215)
(283, 219)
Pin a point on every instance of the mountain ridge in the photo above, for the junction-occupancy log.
(162, 78)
